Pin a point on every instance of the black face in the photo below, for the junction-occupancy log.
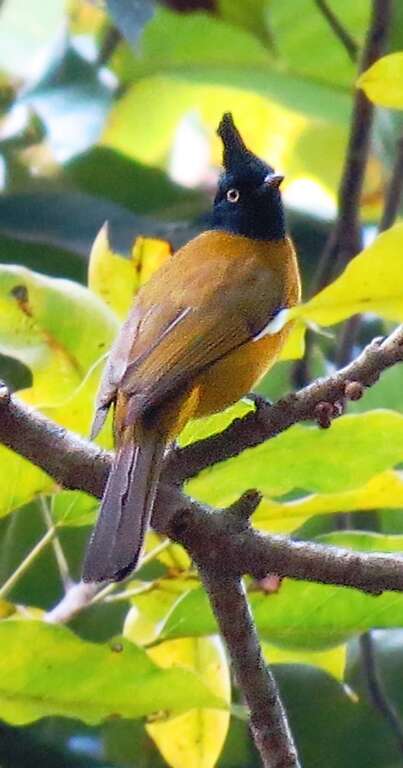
(248, 202)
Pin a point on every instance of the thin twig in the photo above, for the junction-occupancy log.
(268, 719)
(108, 46)
(394, 192)
(339, 29)
(26, 563)
(61, 561)
(376, 688)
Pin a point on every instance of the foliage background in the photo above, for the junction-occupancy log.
(104, 120)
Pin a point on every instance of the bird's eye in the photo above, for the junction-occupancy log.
(233, 195)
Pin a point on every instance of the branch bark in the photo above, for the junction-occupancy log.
(268, 719)
(225, 538)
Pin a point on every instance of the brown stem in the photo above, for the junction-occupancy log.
(268, 719)
(339, 30)
(394, 193)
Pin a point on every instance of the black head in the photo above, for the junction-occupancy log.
(248, 200)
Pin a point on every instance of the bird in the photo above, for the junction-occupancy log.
(201, 333)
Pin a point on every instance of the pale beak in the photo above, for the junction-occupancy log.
(273, 180)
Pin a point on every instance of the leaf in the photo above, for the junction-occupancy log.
(348, 455)
(148, 190)
(194, 739)
(73, 509)
(332, 661)
(363, 541)
(150, 608)
(61, 331)
(383, 82)
(115, 279)
(188, 60)
(300, 616)
(48, 671)
(384, 490)
(130, 16)
(55, 327)
(370, 283)
(69, 220)
(110, 276)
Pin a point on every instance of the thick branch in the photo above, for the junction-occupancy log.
(268, 720)
(78, 464)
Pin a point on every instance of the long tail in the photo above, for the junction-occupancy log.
(115, 545)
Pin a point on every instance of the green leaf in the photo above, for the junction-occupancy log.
(188, 64)
(102, 171)
(68, 220)
(363, 541)
(327, 60)
(355, 449)
(47, 670)
(300, 616)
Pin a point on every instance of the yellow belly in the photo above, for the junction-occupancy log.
(233, 377)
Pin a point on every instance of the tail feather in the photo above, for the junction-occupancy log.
(115, 545)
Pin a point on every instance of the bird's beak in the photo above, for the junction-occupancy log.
(273, 180)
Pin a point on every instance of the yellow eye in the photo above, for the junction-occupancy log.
(233, 195)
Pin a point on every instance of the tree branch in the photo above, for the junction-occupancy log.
(256, 427)
(345, 240)
(224, 538)
(339, 29)
(268, 720)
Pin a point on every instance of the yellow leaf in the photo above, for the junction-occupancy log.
(332, 661)
(110, 276)
(194, 739)
(295, 345)
(148, 255)
(383, 490)
(383, 82)
(372, 282)
(117, 279)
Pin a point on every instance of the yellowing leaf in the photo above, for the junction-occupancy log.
(295, 345)
(383, 82)
(372, 282)
(383, 490)
(117, 279)
(332, 661)
(148, 255)
(110, 276)
(194, 739)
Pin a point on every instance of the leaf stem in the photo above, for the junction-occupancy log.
(61, 561)
(27, 562)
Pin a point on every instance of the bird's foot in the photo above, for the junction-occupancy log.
(262, 406)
